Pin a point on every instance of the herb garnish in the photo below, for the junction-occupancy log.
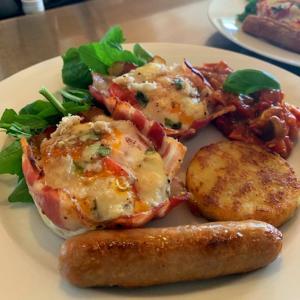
(172, 124)
(179, 83)
(104, 151)
(249, 81)
(141, 98)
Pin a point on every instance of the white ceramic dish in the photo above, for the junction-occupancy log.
(223, 16)
(29, 250)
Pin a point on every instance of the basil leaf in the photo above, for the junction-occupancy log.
(20, 193)
(75, 72)
(249, 81)
(142, 99)
(250, 9)
(104, 151)
(142, 53)
(11, 159)
(172, 124)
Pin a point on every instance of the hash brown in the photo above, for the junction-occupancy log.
(238, 181)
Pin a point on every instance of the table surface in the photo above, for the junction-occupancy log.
(31, 39)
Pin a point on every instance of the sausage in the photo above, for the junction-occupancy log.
(152, 256)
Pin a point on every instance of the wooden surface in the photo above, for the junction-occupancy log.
(27, 40)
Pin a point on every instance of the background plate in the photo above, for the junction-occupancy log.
(223, 16)
(29, 250)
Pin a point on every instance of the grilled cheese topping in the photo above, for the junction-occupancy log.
(105, 167)
(173, 99)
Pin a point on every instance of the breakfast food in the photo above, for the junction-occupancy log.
(261, 116)
(176, 96)
(183, 99)
(277, 22)
(236, 181)
(151, 256)
(104, 156)
(102, 173)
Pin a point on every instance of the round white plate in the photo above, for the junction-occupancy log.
(222, 14)
(29, 250)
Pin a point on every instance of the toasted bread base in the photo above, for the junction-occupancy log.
(232, 181)
(276, 32)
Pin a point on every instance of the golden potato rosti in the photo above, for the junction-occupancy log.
(237, 181)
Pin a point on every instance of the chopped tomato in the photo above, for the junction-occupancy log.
(113, 167)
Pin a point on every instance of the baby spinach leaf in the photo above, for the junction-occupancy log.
(90, 55)
(11, 159)
(76, 95)
(35, 108)
(98, 57)
(8, 116)
(20, 193)
(75, 108)
(142, 53)
(53, 100)
(114, 36)
(249, 81)
(75, 72)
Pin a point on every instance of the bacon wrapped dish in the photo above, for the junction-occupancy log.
(103, 173)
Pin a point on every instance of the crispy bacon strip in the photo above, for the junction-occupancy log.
(55, 204)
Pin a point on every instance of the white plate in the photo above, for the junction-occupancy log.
(222, 14)
(29, 250)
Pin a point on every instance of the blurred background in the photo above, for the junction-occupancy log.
(13, 8)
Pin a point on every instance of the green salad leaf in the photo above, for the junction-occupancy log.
(99, 57)
(76, 95)
(11, 159)
(20, 193)
(78, 63)
(250, 9)
(142, 53)
(36, 116)
(249, 81)
(75, 72)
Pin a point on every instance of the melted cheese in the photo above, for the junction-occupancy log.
(71, 162)
(152, 181)
(166, 100)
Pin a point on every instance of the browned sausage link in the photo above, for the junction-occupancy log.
(143, 257)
